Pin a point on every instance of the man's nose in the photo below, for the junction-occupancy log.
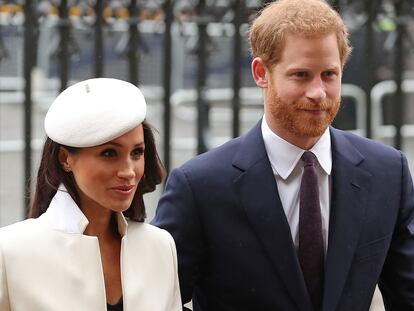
(316, 90)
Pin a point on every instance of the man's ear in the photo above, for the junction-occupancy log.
(64, 159)
(259, 72)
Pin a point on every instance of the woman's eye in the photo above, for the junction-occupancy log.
(137, 152)
(108, 153)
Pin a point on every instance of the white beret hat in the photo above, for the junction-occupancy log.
(94, 111)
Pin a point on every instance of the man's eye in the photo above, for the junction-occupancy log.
(108, 153)
(301, 74)
(329, 73)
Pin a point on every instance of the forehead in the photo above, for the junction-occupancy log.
(301, 51)
(128, 140)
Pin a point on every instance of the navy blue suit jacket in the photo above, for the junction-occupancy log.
(235, 250)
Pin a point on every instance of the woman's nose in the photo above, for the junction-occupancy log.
(126, 170)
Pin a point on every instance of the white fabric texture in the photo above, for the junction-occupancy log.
(95, 111)
(47, 264)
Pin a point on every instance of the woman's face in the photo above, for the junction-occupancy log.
(107, 175)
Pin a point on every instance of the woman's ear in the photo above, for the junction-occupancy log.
(259, 72)
(64, 159)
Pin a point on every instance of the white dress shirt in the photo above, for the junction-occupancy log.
(288, 169)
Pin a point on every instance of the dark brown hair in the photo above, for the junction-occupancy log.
(51, 174)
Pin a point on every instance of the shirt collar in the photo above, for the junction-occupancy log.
(284, 156)
(63, 214)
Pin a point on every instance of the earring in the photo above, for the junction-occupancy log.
(66, 168)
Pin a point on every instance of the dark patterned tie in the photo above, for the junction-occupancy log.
(311, 247)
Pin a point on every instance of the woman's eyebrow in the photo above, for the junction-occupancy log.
(113, 143)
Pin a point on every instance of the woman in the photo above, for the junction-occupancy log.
(78, 251)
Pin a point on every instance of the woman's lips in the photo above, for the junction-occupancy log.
(124, 189)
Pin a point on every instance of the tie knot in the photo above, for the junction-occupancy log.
(309, 158)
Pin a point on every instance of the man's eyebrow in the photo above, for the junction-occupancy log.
(301, 68)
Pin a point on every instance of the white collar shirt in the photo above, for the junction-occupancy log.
(288, 169)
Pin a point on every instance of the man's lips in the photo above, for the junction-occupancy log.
(314, 111)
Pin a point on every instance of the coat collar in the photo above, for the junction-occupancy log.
(350, 192)
(257, 191)
(284, 156)
(63, 214)
(260, 199)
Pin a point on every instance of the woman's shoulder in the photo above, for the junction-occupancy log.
(20, 226)
(146, 228)
(149, 244)
(21, 231)
(140, 230)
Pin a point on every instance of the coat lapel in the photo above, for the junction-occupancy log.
(259, 197)
(349, 194)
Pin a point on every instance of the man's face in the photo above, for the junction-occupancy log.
(302, 96)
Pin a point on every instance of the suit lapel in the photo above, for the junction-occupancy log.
(349, 194)
(259, 197)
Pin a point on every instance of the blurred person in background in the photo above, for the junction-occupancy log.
(86, 246)
(295, 214)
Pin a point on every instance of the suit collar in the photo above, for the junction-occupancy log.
(260, 200)
(251, 150)
(344, 149)
(246, 157)
(350, 190)
(258, 191)
(285, 156)
(63, 214)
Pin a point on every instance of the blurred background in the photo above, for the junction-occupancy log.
(192, 62)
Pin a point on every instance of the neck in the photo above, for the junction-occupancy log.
(99, 228)
(303, 142)
(100, 223)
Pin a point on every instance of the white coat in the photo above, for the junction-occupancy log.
(48, 264)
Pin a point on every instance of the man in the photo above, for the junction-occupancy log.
(258, 229)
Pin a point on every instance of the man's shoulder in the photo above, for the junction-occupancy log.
(215, 158)
(225, 154)
(365, 146)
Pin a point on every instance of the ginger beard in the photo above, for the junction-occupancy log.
(292, 118)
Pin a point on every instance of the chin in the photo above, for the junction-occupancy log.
(314, 132)
(119, 207)
(309, 130)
